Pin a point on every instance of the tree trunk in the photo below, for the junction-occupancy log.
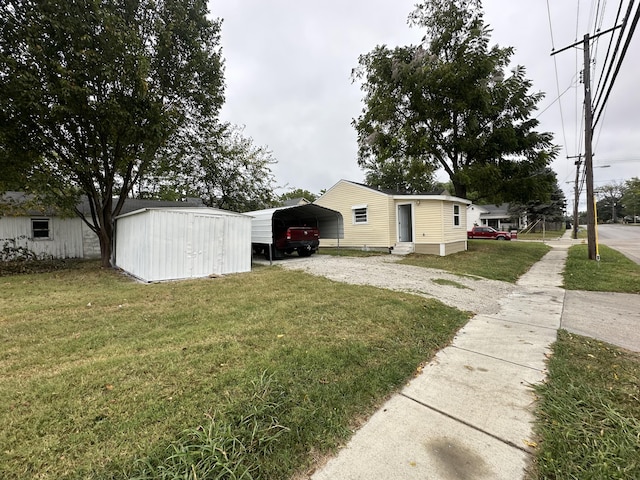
(460, 189)
(105, 247)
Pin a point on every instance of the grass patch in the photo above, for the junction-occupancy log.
(350, 252)
(444, 281)
(505, 261)
(589, 412)
(547, 235)
(103, 378)
(613, 273)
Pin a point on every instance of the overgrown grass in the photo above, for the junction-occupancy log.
(102, 378)
(613, 273)
(589, 412)
(496, 260)
(350, 252)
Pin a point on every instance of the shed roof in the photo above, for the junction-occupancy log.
(186, 209)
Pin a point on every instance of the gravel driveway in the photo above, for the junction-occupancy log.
(478, 296)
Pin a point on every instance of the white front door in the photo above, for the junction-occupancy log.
(405, 223)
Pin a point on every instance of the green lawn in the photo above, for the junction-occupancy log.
(493, 259)
(613, 273)
(103, 378)
(589, 409)
(589, 413)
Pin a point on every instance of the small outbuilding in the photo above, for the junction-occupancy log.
(157, 244)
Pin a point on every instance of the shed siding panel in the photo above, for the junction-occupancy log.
(377, 232)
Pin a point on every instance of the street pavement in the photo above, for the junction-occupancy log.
(469, 414)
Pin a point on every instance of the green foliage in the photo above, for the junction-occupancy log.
(91, 90)
(613, 273)
(589, 412)
(550, 209)
(451, 105)
(298, 193)
(609, 204)
(631, 198)
(217, 163)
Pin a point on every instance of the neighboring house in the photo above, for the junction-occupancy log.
(382, 219)
(473, 215)
(45, 232)
(498, 217)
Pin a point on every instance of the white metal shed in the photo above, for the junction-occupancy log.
(155, 244)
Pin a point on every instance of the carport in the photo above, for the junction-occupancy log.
(329, 222)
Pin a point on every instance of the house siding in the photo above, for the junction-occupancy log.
(378, 232)
(428, 220)
(65, 236)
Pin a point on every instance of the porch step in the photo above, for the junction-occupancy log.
(404, 248)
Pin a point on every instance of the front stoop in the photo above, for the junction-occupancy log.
(403, 248)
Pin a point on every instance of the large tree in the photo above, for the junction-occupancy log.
(91, 90)
(552, 209)
(610, 202)
(450, 103)
(631, 198)
(217, 163)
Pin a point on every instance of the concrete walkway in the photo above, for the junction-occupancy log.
(469, 414)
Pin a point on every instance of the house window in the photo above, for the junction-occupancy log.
(359, 214)
(456, 215)
(40, 229)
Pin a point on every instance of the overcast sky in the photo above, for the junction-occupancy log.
(288, 75)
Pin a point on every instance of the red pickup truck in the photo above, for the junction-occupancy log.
(488, 233)
(288, 237)
(305, 240)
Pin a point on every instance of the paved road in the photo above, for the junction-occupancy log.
(624, 238)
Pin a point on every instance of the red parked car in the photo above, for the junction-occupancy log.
(488, 233)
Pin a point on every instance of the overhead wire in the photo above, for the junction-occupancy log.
(625, 48)
(606, 58)
(555, 64)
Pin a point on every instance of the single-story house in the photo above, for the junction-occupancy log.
(431, 223)
(157, 244)
(43, 231)
(496, 216)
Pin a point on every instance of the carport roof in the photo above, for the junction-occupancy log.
(330, 222)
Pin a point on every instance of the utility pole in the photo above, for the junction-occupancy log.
(576, 197)
(588, 154)
(588, 138)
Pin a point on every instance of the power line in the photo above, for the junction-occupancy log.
(632, 29)
(598, 94)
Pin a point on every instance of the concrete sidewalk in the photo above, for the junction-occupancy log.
(469, 414)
